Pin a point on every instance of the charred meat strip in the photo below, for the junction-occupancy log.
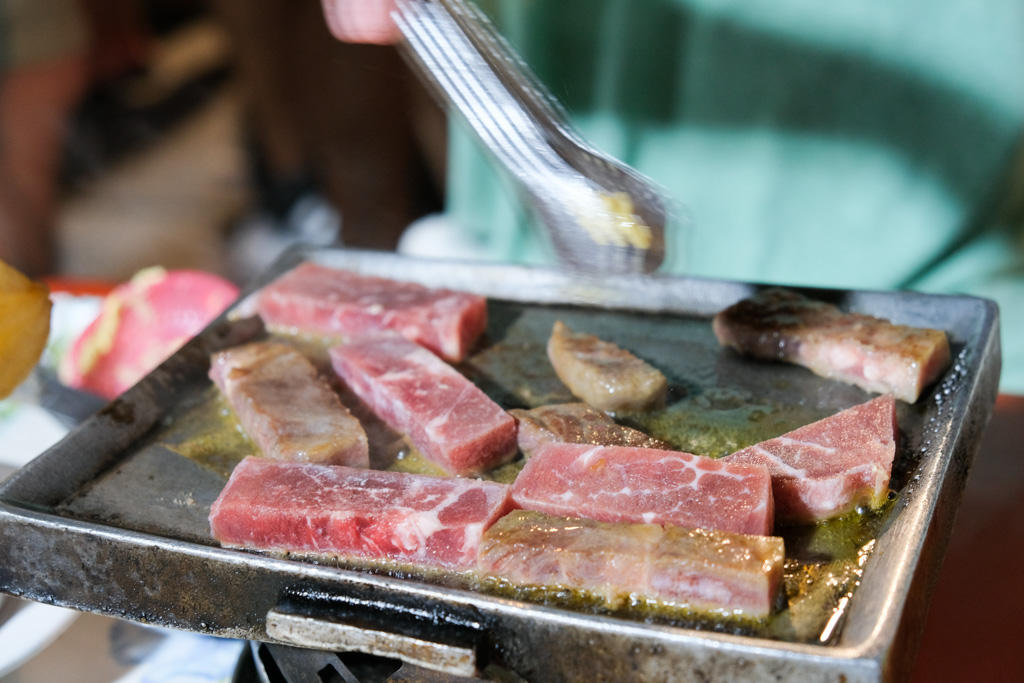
(830, 467)
(356, 513)
(451, 421)
(644, 485)
(576, 423)
(327, 301)
(871, 353)
(286, 408)
(706, 571)
(602, 374)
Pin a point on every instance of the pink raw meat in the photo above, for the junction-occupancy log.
(644, 485)
(314, 298)
(356, 513)
(286, 408)
(451, 421)
(700, 569)
(831, 466)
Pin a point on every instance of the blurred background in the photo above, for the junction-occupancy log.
(203, 134)
(211, 134)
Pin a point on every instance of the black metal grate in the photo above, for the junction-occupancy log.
(263, 663)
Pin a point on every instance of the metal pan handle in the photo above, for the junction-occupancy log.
(320, 634)
(412, 628)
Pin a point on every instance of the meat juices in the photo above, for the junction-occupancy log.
(868, 352)
(576, 423)
(700, 569)
(602, 374)
(356, 513)
(644, 485)
(286, 408)
(828, 468)
(451, 421)
(327, 301)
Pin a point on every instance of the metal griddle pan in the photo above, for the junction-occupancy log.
(107, 521)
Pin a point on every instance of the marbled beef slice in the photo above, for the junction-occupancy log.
(337, 303)
(449, 419)
(828, 468)
(356, 513)
(644, 485)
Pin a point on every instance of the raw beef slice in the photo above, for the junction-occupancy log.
(695, 568)
(644, 485)
(286, 408)
(356, 513)
(831, 466)
(451, 421)
(322, 300)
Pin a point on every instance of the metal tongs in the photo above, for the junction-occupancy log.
(602, 216)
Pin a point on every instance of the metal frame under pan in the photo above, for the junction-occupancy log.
(104, 522)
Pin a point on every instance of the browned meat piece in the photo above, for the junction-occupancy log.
(868, 352)
(694, 568)
(286, 408)
(576, 423)
(602, 374)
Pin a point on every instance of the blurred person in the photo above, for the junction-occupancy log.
(327, 121)
(869, 145)
(123, 39)
(44, 69)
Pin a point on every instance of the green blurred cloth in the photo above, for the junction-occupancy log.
(870, 144)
